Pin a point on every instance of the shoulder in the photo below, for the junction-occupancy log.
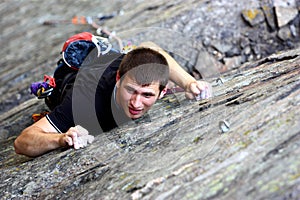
(61, 118)
(45, 126)
(108, 76)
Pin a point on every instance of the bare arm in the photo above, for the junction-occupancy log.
(41, 137)
(178, 75)
(38, 139)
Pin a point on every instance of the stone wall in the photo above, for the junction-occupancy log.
(241, 144)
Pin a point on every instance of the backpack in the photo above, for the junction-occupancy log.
(74, 51)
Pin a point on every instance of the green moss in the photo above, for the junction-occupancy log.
(230, 178)
(226, 190)
(231, 167)
(193, 195)
(247, 132)
(216, 186)
(123, 176)
(131, 185)
(259, 183)
(260, 132)
(294, 176)
(122, 145)
(272, 186)
(288, 120)
(244, 144)
(56, 172)
(168, 107)
(197, 139)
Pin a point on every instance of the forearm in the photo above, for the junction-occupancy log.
(33, 142)
(177, 74)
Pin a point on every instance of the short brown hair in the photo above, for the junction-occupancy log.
(145, 66)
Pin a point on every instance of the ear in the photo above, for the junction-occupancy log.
(118, 76)
(162, 93)
(118, 79)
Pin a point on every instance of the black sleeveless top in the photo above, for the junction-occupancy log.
(88, 104)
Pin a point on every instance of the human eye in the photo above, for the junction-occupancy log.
(148, 95)
(130, 89)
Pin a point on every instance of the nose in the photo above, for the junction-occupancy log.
(136, 101)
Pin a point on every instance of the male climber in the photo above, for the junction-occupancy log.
(127, 89)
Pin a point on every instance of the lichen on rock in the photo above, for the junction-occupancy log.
(179, 151)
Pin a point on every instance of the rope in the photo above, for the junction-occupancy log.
(100, 30)
(82, 20)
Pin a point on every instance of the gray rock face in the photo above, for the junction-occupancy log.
(241, 144)
(182, 151)
(285, 15)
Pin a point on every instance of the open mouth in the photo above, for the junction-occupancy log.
(134, 111)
